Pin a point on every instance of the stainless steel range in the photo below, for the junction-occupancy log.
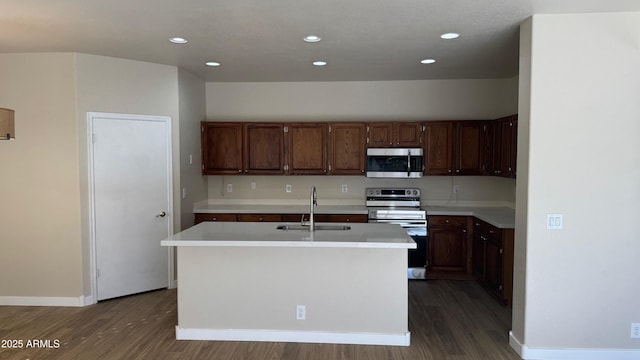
(402, 206)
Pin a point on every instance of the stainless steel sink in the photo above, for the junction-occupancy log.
(317, 227)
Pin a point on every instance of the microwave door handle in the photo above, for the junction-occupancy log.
(409, 163)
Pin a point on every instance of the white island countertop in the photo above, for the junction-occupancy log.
(265, 234)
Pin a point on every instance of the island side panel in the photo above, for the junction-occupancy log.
(344, 290)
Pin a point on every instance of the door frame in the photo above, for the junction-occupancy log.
(92, 215)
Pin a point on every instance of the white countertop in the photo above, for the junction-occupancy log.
(500, 217)
(281, 209)
(265, 234)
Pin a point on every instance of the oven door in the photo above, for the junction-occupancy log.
(395, 163)
(417, 229)
(412, 227)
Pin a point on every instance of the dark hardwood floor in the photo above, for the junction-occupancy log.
(448, 320)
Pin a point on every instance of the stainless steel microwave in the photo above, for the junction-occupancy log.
(395, 162)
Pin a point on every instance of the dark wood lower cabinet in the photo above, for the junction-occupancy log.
(259, 217)
(447, 244)
(200, 217)
(493, 259)
(341, 218)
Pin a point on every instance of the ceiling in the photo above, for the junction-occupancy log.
(261, 40)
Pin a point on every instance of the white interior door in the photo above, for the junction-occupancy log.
(131, 177)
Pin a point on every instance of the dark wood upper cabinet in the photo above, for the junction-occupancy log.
(221, 148)
(347, 148)
(469, 147)
(454, 147)
(306, 148)
(380, 134)
(511, 146)
(438, 148)
(395, 134)
(473, 147)
(408, 134)
(504, 136)
(263, 148)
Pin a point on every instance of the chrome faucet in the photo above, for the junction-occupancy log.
(313, 202)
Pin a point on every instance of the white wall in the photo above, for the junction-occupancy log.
(582, 282)
(113, 85)
(362, 100)
(522, 183)
(44, 185)
(436, 190)
(39, 190)
(192, 112)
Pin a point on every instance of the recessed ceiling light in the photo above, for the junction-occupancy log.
(212, 63)
(312, 38)
(319, 63)
(427, 61)
(449, 36)
(178, 40)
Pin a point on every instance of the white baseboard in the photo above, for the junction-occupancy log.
(46, 301)
(294, 336)
(173, 284)
(528, 353)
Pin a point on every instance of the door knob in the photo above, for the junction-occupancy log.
(162, 214)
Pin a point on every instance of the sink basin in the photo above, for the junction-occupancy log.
(317, 227)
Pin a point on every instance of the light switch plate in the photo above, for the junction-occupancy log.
(554, 221)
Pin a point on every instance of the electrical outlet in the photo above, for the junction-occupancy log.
(184, 192)
(287, 188)
(229, 187)
(456, 189)
(635, 330)
(190, 159)
(301, 312)
(345, 188)
(253, 185)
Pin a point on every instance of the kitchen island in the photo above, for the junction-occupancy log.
(253, 282)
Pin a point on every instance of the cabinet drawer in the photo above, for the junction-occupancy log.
(355, 218)
(485, 229)
(259, 217)
(200, 217)
(439, 220)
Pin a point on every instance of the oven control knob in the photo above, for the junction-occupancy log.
(408, 192)
(377, 192)
(415, 192)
